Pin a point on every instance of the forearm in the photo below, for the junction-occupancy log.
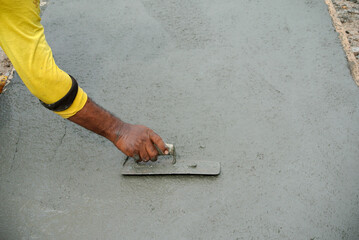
(98, 120)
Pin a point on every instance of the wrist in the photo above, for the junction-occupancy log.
(112, 133)
(98, 120)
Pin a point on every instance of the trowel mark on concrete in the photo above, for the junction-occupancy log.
(191, 31)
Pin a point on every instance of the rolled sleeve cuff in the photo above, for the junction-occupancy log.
(77, 105)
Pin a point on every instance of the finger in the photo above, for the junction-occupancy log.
(159, 142)
(143, 154)
(151, 151)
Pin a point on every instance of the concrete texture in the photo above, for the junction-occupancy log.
(261, 86)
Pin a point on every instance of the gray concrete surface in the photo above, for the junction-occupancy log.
(261, 86)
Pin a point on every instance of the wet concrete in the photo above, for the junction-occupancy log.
(263, 88)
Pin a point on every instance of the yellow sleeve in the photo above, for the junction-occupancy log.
(23, 40)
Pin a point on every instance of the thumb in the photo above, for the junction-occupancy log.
(160, 145)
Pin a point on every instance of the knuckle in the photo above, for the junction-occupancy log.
(152, 156)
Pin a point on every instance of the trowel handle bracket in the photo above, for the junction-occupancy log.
(171, 151)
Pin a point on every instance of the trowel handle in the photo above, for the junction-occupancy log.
(171, 151)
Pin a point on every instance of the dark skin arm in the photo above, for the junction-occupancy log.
(133, 140)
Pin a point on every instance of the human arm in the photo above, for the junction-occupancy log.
(132, 140)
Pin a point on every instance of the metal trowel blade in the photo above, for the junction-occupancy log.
(168, 168)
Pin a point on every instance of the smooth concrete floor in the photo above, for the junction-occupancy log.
(261, 86)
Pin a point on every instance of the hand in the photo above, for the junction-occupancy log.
(139, 142)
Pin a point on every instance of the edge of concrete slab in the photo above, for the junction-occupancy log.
(6, 71)
(352, 61)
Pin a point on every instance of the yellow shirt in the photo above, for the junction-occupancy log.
(22, 39)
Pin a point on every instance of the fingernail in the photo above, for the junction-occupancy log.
(166, 152)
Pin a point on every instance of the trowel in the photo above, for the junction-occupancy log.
(166, 166)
